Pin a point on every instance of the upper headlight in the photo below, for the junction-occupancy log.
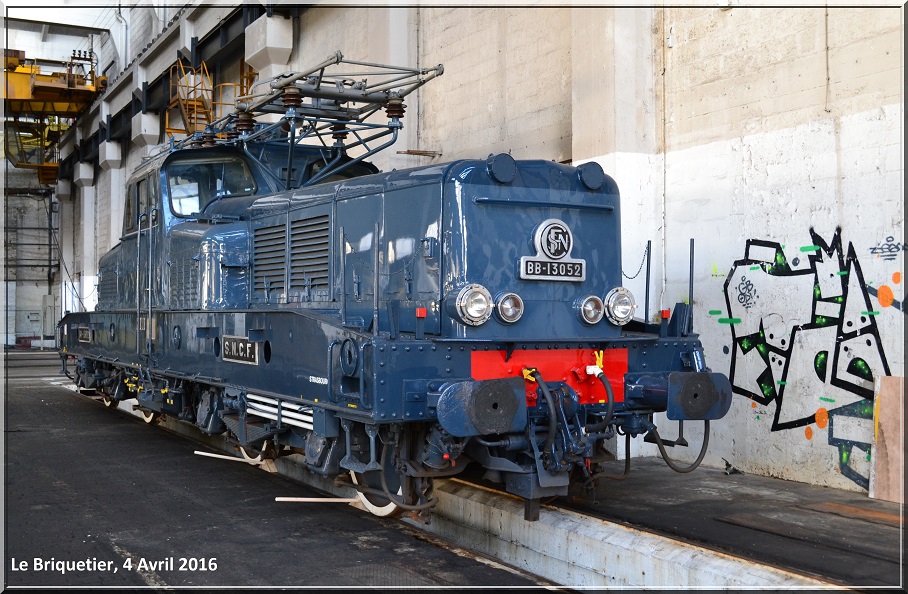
(509, 308)
(474, 305)
(620, 306)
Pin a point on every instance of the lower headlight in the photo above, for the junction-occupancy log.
(474, 305)
(590, 310)
(509, 308)
(620, 306)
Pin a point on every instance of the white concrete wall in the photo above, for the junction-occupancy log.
(766, 163)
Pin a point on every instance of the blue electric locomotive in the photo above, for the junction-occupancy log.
(394, 326)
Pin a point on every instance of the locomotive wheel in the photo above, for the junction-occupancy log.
(149, 416)
(376, 504)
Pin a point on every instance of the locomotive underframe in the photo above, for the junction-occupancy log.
(344, 399)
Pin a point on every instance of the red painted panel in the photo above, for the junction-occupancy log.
(567, 366)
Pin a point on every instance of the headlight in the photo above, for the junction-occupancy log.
(474, 305)
(620, 306)
(590, 310)
(509, 308)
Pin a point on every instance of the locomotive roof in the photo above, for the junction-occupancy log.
(548, 175)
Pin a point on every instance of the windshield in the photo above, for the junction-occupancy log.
(193, 184)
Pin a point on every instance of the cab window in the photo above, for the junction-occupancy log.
(129, 210)
(193, 184)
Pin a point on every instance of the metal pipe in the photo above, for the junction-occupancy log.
(550, 401)
(287, 186)
(260, 407)
(343, 275)
(150, 278)
(292, 422)
(690, 290)
(649, 255)
(376, 261)
(671, 464)
(138, 277)
(601, 425)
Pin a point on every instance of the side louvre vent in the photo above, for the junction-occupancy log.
(184, 284)
(269, 263)
(107, 289)
(310, 247)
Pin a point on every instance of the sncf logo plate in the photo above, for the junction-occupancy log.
(238, 349)
(553, 242)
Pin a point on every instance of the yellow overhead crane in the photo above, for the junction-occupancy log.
(38, 103)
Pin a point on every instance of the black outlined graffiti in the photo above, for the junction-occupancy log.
(747, 294)
(825, 303)
(888, 249)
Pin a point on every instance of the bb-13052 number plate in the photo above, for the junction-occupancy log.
(531, 269)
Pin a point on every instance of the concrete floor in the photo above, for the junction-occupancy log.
(86, 483)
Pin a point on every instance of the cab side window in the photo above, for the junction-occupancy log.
(129, 211)
(152, 189)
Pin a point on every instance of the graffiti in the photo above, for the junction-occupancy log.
(885, 295)
(817, 317)
(747, 294)
(888, 249)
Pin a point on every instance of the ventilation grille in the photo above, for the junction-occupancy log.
(269, 262)
(107, 289)
(309, 253)
(184, 284)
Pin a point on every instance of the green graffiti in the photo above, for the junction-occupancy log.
(859, 367)
(729, 320)
(825, 399)
(870, 313)
(817, 294)
(810, 248)
(823, 321)
(746, 344)
(715, 312)
(819, 364)
(845, 455)
(842, 273)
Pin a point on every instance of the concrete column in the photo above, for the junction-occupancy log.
(117, 197)
(269, 42)
(393, 34)
(67, 261)
(593, 76)
(89, 267)
(9, 306)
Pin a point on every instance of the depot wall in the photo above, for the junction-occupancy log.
(770, 137)
(782, 160)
